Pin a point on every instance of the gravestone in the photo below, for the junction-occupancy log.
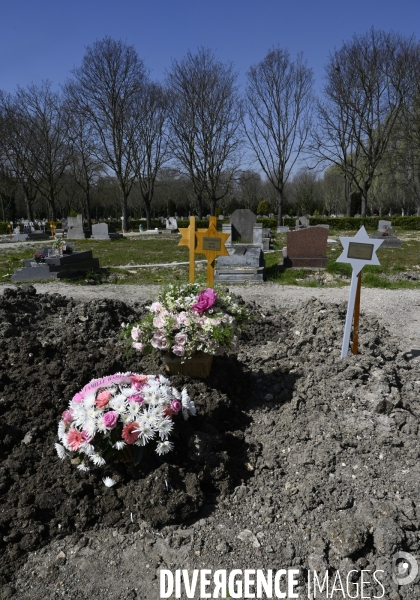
(243, 221)
(283, 229)
(302, 222)
(307, 247)
(246, 263)
(384, 225)
(75, 229)
(56, 267)
(101, 231)
(171, 224)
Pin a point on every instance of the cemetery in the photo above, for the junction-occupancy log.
(295, 453)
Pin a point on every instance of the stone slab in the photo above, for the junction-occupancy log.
(69, 265)
(388, 241)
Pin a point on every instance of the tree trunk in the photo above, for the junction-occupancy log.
(280, 209)
(200, 206)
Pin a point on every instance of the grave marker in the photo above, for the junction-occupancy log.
(358, 252)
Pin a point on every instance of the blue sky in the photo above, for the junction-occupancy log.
(45, 39)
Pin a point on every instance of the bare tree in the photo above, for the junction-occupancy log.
(85, 166)
(150, 144)
(36, 142)
(205, 116)
(279, 102)
(368, 80)
(105, 90)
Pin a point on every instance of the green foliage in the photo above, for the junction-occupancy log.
(263, 207)
(354, 223)
(336, 268)
(73, 213)
(268, 223)
(3, 228)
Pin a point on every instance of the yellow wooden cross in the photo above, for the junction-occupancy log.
(209, 242)
(188, 239)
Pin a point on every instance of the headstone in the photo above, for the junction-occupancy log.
(75, 229)
(282, 229)
(307, 247)
(64, 223)
(227, 228)
(56, 267)
(243, 221)
(257, 235)
(302, 222)
(20, 237)
(384, 225)
(101, 231)
(171, 224)
(246, 263)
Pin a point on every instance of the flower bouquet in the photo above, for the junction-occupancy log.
(120, 411)
(39, 257)
(186, 320)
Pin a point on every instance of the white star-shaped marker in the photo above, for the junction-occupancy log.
(359, 251)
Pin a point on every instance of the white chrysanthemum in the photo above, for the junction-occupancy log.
(176, 393)
(118, 403)
(119, 445)
(89, 400)
(147, 433)
(165, 427)
(133, 408)
(108, 481)
(97, 459)
(61, 430)
(90, 413)
(149, 418)
(128, 391)
(164, 447)
(61, 451)
(90, 426)
(79, 415)
(87, 448)
(163, 380)
(126, 418)
(83, 467)
(100, 426)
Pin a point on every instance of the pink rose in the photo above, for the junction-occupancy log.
(181, 339)
(138, 346)
(158, 341)
(156, 307)
(178, 350)
(176, 406)
(205, 300)
(136, 398)
(135, 333)
(86, 436)
(77, 398)
(110, 419)
(67, 417)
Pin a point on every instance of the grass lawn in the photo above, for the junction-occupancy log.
(393, 272)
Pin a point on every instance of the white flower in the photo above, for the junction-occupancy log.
(61, 451)
(97, 459)
(108, 481)
(164, 447)
(165, 427)
(147, 433)
(119, 445)
(118, 403)
(83, 467)
(61, 430)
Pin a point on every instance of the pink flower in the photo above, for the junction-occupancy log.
(110, 419)
(168, 412)
(136, 398)
(138, 346)
(77, 398)
(129, 433)
(67, 417)
(205, 300)
(86, 436)
(156, 307)
(176, 406)
(135, 333)
(182, 319)
(158, 341)
(139, 378)
(178, 350)
(159, 320)
(74, 439)
(181, 338)
(102, 399)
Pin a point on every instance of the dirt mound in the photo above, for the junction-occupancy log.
(315, 457)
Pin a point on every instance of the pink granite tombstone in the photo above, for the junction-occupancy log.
(307, 247)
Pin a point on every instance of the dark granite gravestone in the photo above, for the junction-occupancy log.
(307, 247)
(56, 267)
(243, 221)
